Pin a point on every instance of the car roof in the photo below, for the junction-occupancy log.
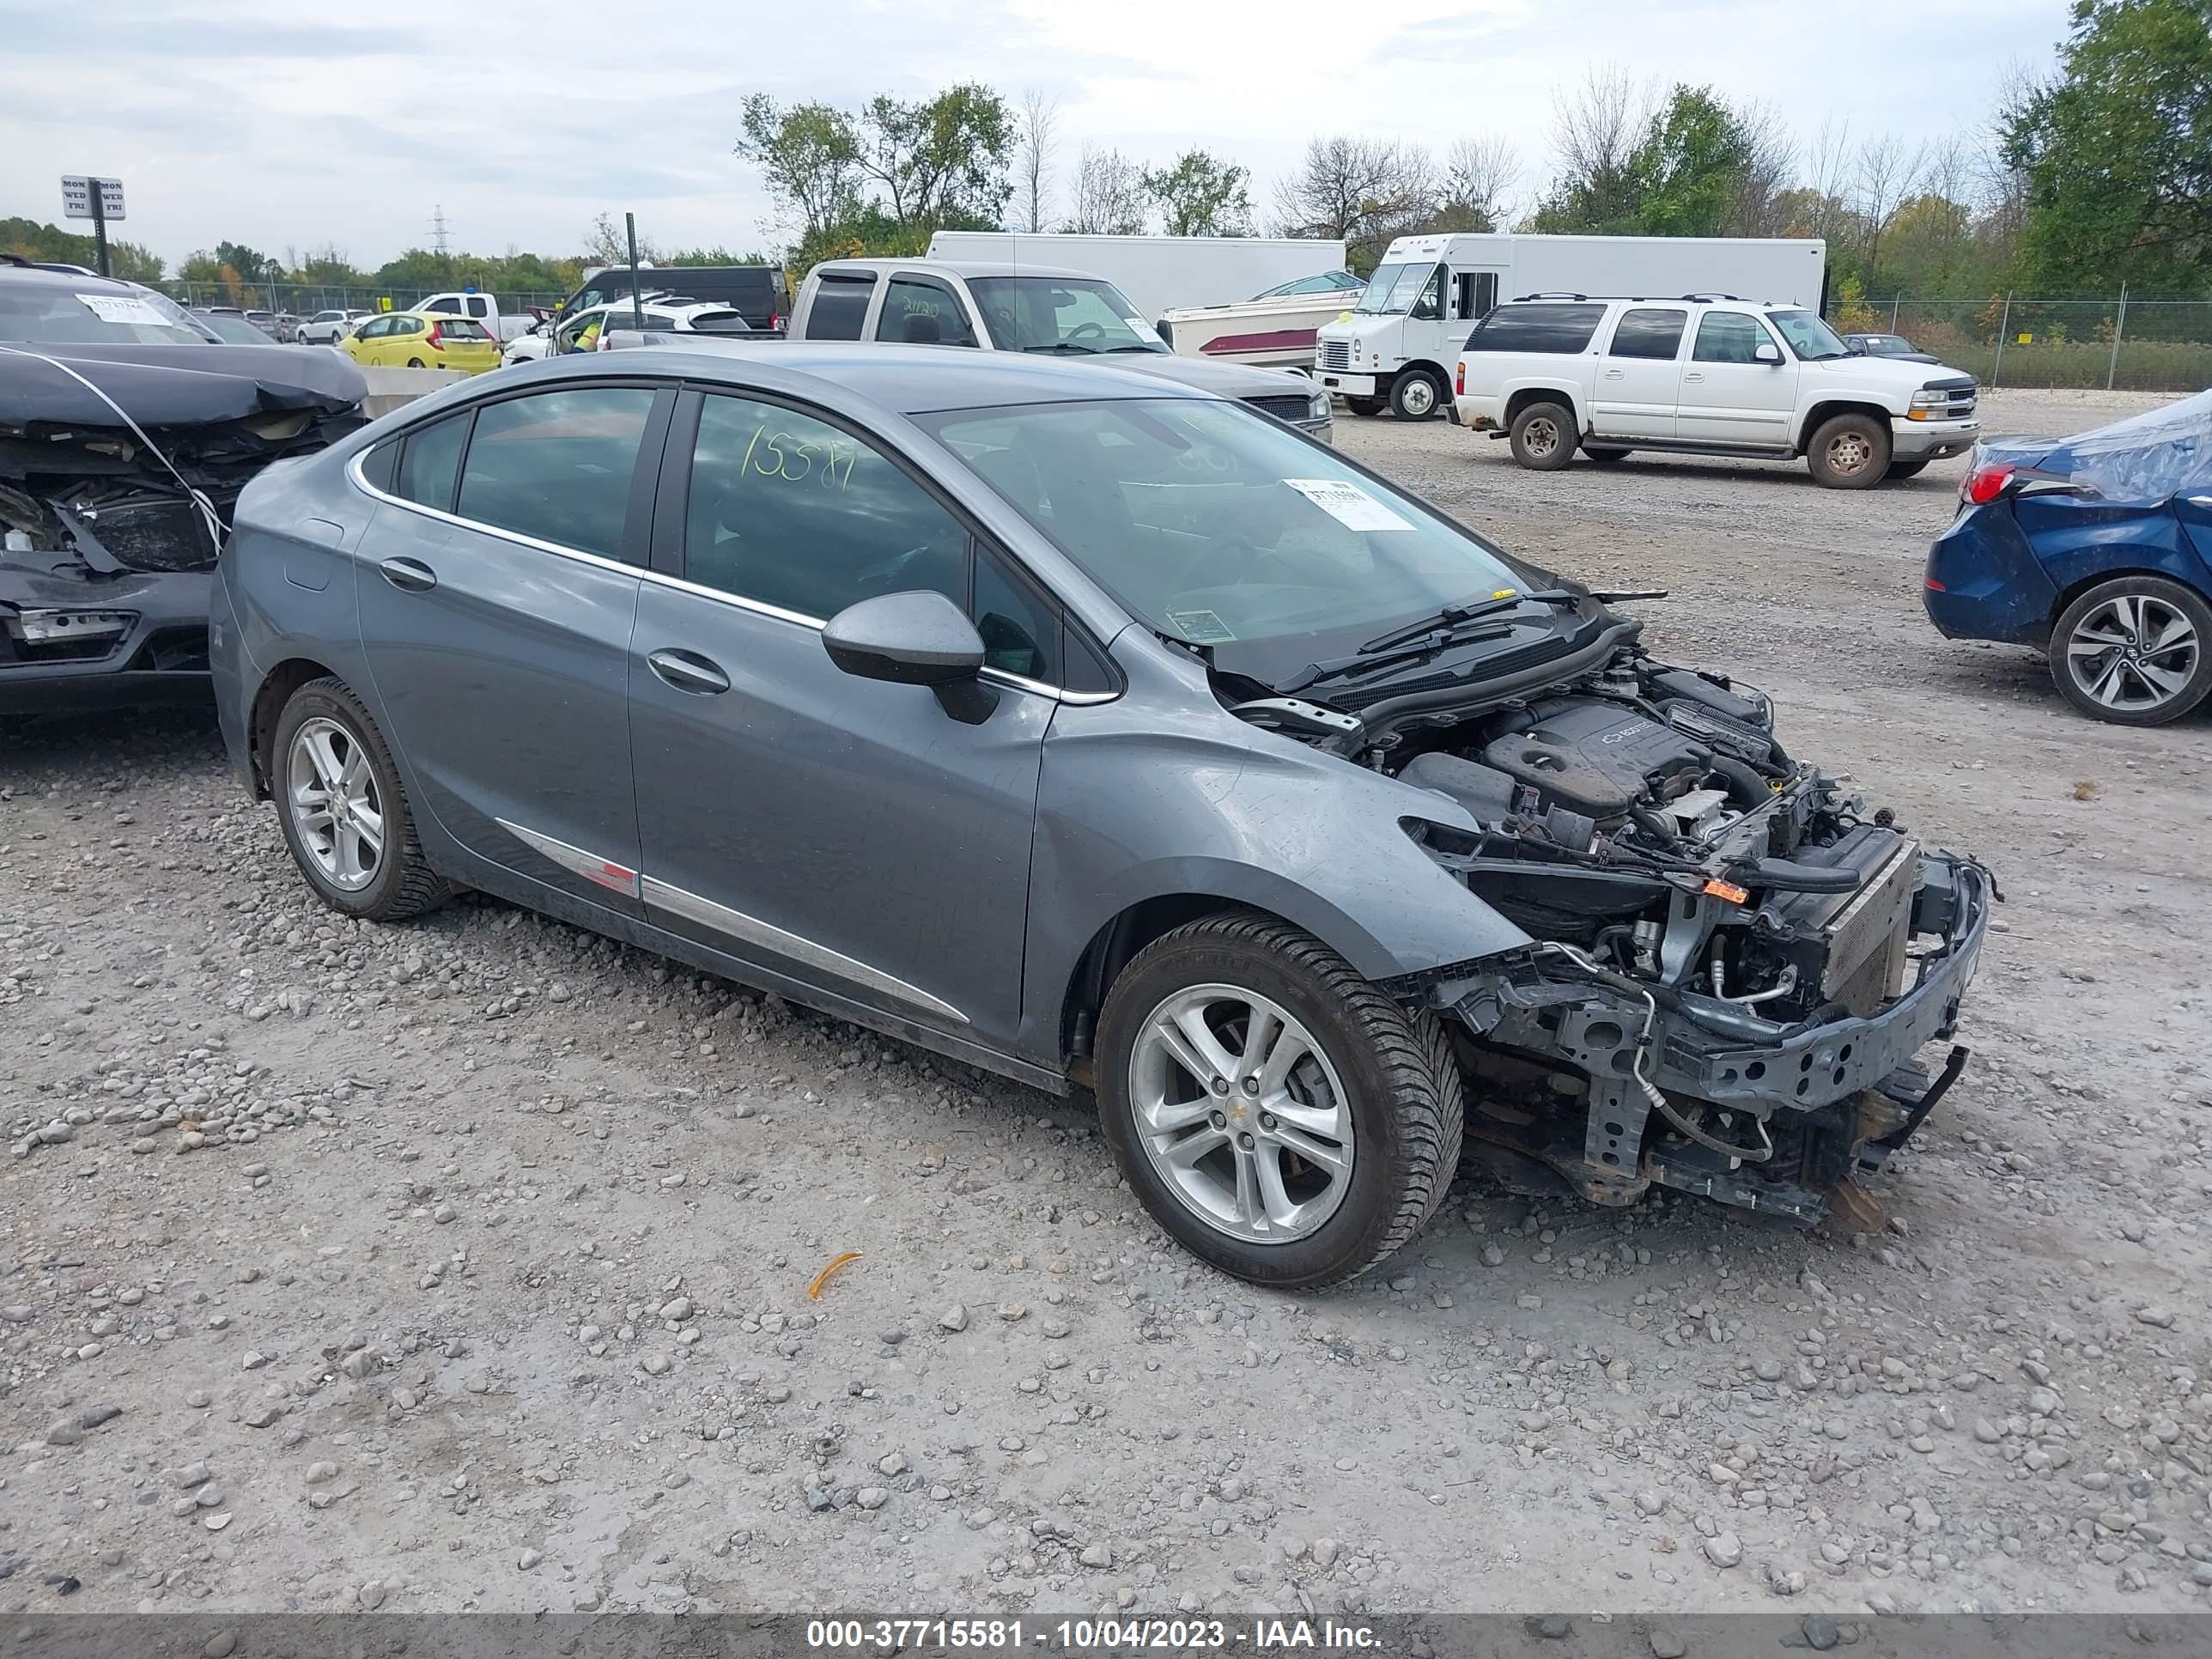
(908, 380)
(959, 267)
(60, 280)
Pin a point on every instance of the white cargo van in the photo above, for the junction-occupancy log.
(1402, 338)
(1158, 274)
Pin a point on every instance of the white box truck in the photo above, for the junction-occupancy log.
(1399, 342)
(1159, 273)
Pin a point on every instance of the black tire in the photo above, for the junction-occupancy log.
(403, 883)
(2168, 599)
(1848, 452)
(1607, 457)
(1544, 436)
(416, 362)
(1906, 469)
(1364, 405)
(1417, 395)
(1403, 1091)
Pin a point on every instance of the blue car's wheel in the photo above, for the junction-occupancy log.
(2136, 650)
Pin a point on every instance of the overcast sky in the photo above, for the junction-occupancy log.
(523, 119)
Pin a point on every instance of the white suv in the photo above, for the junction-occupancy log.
(1703, 374)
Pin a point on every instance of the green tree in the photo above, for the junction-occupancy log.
(251, 265)
(2117, 150)
(808, 156)
(51, 244)
(942, 159)
(1686, 173)
(1201, 195)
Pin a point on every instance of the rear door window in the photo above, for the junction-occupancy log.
(430, 462)
(840, 306)
(1550, 329)
(556, 465)
(920, 313)
(1654, 332)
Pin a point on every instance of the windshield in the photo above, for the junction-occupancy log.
(1076, 315)
(1809, 337)
(56, 316)
(1219, 527)
(236, 330)
(1393, 289)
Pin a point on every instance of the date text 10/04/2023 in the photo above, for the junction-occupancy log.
(1086, 1635)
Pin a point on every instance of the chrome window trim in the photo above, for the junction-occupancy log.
(996, 676)
(751, 930)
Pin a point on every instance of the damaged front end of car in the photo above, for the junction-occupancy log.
(1733, 963)
(118, 468)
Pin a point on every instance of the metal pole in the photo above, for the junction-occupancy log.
(1894, 300)
(99, 230)
(636, 306)
(2119, 325)
(2004, 327)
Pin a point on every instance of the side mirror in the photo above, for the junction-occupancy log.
(909, 639)
(1767, 352)
(1856, 347)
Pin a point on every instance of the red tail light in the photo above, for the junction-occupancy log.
(1985, 483)
(436, 337)
(776, 322)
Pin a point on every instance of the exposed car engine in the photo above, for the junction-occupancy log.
(1720, 995)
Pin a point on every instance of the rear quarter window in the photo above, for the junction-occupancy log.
(1559, 329)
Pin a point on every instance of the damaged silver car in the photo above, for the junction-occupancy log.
(1101, 733)
(125, 436)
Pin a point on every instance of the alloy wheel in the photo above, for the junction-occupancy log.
(331, 793)
(1242, 1114)
(2134, 653)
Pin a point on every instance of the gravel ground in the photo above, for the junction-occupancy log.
(464, 1265)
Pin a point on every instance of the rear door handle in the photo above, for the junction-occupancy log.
(1614, 374)
(410, 574)
(1692, 378)
(688, 671)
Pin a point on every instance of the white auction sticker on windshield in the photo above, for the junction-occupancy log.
(1141, 329)
(1202, 627)
(122, 308)
(1348, 504)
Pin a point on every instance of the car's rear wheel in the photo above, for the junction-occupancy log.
(1543, 436)
(2136, 651)
(1281, 1117)
(1364, 405)
(1607, 457)
(1848, 452)
(1416, 395)
(1906, 469)
(344, 810)
(415, 362)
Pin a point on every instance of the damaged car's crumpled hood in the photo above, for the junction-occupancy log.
(172, 384)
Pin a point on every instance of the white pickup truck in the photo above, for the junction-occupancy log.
(1703, 374)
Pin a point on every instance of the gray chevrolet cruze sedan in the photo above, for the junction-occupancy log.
(1099, 733)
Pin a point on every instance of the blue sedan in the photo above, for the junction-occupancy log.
(2096, 549)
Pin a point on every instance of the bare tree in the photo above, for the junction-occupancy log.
(1595, 128)
(1035, 140)
(1361, 190)
(1827, 175)
(1109, 195)
(1760, 207)
(2004, 186)
(1479, 176)
(1889, 171)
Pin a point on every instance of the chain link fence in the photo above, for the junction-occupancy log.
(2013, 340)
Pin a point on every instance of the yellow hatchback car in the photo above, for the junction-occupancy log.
(422, 339)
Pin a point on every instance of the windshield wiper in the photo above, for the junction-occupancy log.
(1110, 351)
(1451, 615)
(1064, 345)
(1337, 668)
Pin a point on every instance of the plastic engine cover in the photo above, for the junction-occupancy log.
(1596, 757)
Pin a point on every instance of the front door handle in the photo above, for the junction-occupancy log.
(688, 671)
(1615, 374)
(410, 574)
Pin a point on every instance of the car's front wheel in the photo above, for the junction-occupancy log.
(1850, 452)
(2136, 651)
(1282, 1118)
(344, 810)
